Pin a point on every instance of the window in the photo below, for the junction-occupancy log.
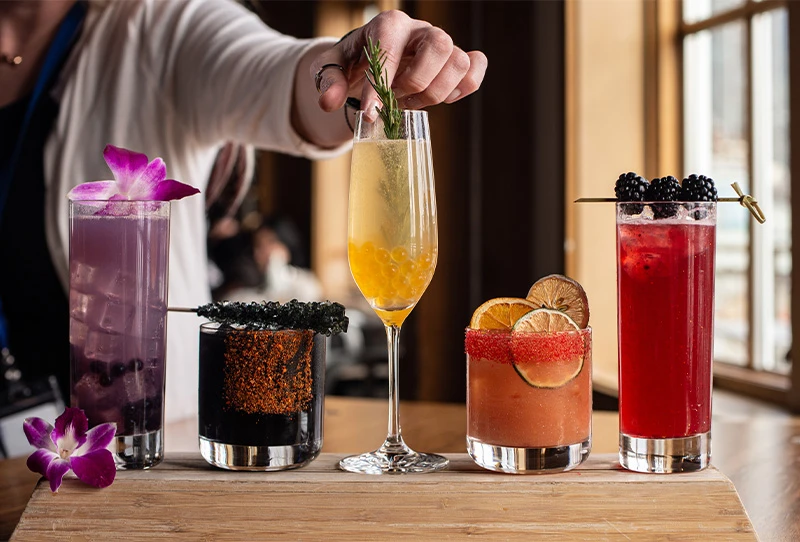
(736, 128)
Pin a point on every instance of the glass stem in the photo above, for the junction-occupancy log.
(393, 341)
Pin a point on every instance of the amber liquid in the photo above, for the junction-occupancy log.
(392, 239)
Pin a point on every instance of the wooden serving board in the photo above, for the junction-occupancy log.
(187, 499)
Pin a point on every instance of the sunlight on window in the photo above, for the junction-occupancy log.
(696, 10)
(736, 128)
(716, 130)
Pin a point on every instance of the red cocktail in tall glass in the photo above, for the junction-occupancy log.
(665, 276)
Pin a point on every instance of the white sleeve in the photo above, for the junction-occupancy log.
(230, 77)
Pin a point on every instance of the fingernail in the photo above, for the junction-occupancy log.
(412, 102)
(453, 96)
(371, 111)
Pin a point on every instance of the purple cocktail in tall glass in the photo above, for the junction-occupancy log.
(118, 306)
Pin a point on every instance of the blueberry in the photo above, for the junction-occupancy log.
(106, 380)
(135, 365)
(118, 369)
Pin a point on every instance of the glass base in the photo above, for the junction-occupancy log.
(665, 455)
(258, 458)
(139, 451)
(393, 459)
(514, 460)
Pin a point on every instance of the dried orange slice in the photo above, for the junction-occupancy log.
(543, 354)
(563, 294)
(545, 321)
(500, 313)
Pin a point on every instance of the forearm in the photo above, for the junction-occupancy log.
(323, 129)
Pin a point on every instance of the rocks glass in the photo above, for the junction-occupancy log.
(529, 399)
(261, 397)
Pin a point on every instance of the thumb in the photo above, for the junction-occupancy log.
(331, 81)
(339, 71)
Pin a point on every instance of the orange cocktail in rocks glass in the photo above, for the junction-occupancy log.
(529, 391)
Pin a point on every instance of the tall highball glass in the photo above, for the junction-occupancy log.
(665, 274)
(118, 261)
(392, 248)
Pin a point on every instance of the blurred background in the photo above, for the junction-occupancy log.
(576, 93)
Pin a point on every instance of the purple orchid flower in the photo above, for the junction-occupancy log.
(136, 179)
(68, 445)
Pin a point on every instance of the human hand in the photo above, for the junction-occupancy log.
(422, 65)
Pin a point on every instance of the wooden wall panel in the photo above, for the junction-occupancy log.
(605, 137)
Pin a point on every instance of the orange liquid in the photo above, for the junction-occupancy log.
(392, 279)
(505, 410)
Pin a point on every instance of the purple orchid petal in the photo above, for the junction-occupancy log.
(95, 190)
(98, 438)
(171, 190)
(96, 468)
(126, 165)
(70, 430)
(145, 185)
(55, 472)
(38, 432)
(39, 460)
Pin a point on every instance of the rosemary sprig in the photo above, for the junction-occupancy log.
(378, 77)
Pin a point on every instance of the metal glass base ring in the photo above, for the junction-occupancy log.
(515, 460)
(665, 455)
(258, 458)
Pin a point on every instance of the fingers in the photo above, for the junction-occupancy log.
(431, 51)
(444, 83)
(393, 30)
(473, 79)
(421, 64)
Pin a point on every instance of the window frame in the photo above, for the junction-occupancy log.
(665, 20)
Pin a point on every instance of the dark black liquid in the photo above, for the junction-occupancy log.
(220, 422)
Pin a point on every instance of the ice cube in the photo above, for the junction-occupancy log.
(114, 316)
(103, 346)
(77, 333)
(78, 304)
(117, 285)
(81, 275)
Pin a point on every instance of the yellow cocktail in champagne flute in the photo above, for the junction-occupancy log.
(392, 260)
(392, 248)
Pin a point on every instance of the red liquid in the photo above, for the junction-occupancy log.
(665, 276)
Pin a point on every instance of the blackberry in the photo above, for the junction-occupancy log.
(698, 188)
(663, 189)
(630, 187)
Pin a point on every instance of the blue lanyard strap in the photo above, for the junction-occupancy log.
(67, 32)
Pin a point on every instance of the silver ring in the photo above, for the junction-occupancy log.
(318, 75)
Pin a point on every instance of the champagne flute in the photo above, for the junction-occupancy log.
(392, 248)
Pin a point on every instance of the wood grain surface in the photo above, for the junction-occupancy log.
(758, 449)
(184, 498)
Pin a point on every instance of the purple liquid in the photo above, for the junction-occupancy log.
(118, 294)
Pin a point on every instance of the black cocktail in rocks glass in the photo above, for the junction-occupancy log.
(261, 385)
